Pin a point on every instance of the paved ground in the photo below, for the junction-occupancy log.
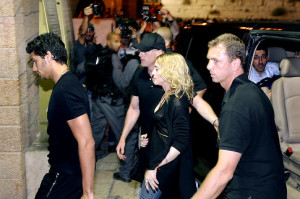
(105, 187)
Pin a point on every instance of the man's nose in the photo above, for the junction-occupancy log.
(34, 68)
(209, 65)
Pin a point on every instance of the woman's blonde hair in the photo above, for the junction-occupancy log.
(174, 70)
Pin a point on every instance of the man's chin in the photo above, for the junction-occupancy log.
(44, 78)
(89, 40)
(213, 79)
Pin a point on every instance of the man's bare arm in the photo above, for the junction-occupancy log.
(132, 116)
(82, 132)
(219, 176)
(204, 109)
(85, 23)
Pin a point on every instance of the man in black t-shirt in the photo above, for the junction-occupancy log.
(145, 96)
(71, 143)
(250, 160)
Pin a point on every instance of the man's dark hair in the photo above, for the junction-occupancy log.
(235, 48)
(263, 47)
(48, 42)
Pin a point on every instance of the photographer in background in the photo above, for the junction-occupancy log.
(85, 43)
(166, 20)
(97, 5)
(171, 22)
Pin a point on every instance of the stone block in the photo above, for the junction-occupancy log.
(10, 92)
(24, 58)
(23, 88)
(30, 6)
(11, 139)
(7, 8)
(102, 192)
(7, 31)
(20, 29)
(35, 160)
(11, 166)
(174, 2)
(9, 63)
(33, 131)
(103, 177)
(12, 189)
(33, 107)
(10, 115)
(123, 188)
(31, 26)
(107, 166)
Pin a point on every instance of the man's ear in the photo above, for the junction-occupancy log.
(48, 56)
(167, 43)
(236, 63)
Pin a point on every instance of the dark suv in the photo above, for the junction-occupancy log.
(283, 42)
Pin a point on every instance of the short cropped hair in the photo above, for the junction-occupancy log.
(111, 35)
(48, 42)
(235, 48)
(263, 47)
(174, 70)
(165, 32)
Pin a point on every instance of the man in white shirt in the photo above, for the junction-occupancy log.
(261, 67)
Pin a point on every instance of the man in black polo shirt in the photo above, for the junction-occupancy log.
(250, 161)
(145, 96)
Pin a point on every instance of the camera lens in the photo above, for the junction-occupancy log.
(96, 10)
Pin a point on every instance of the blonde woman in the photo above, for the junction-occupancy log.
(170, 138)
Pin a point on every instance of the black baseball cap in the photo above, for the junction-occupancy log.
(151, 41)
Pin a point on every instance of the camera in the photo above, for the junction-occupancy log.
(124, 24)
(147, 16)
(98, 10)
(159, 12)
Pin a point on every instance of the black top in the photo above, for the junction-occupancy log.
(81, 51)
(80, 54)
(171, 127)
(68, 101)
(149, 94)
(247, 126)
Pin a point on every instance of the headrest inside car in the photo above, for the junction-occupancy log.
(290, 67)
(276, 54)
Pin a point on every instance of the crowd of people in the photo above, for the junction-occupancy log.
(142, 91)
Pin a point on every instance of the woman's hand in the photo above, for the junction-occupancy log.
(150, 179)
(144, 140)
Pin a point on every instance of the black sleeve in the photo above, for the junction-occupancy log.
(199, 83)
(181, 124)
(235, 131)
(72, 101)
(134, 81)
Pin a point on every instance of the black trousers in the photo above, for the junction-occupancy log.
(60, 186)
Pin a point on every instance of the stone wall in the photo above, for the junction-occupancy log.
(68, 28)
(233, 9)
(19, 103)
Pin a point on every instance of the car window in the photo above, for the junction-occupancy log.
(277, 49)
